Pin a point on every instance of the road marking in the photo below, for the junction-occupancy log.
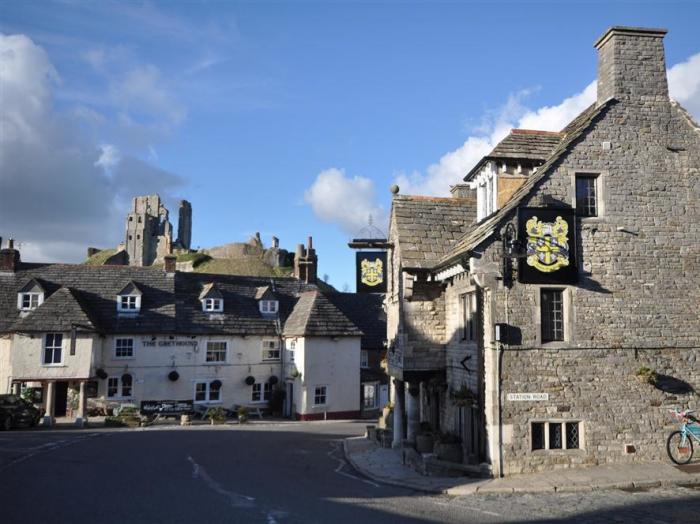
(235, 499)
(342, 463)
(45, 448)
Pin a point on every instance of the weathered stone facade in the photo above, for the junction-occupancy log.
(634, 303)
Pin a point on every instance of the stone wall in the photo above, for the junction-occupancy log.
(600, 389)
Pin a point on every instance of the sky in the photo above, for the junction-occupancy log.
(290, 119)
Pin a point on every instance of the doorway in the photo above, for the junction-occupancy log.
(61, 399)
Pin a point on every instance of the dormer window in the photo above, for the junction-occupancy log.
(213, 305)
(269, 307)
(129, 299)
(211, 298)
(31, 296)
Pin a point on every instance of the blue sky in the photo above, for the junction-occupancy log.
(291, 119)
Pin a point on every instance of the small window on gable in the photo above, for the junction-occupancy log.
(213, 304)
(587, 195)
(269, 307)
(212, 299)
(30, 297)
(129, 299)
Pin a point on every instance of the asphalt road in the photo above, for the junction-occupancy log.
(287, 473)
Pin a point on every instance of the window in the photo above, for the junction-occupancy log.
(53, 348)
(587, 195)
(320, 395)
(555, 435)
(212, 304)
(364, 359)
(291, 346)
(120, 386)
(261, 392)
(124, 348)
(269, 306)
(552, 315)
(209, 391)
(216, 351)
(271, 350)
(29, 301)
(469, 315)
(129, 303)
(369, 399)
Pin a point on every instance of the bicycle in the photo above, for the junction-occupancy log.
(679, 445)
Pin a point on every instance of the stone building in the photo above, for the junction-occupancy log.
(107, 335)
(527, 318)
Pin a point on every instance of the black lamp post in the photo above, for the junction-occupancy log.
(512, 249)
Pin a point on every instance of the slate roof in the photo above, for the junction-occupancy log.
(96, 288)
(315, 315)
(60, 312)
(87, 295)
(486, 228)
(428, 227)
(366, 311)
(521, 144)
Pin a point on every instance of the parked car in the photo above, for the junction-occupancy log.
(16, 411)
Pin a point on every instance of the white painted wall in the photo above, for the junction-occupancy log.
(5, 346)
(331, 362)
(27, 353)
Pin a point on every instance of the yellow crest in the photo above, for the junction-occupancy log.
(547, 244)
(371, 273)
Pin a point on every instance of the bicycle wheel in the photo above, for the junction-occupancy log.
(679, 448)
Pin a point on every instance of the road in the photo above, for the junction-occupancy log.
(277, 473)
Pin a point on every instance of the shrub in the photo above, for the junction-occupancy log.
(648, 375)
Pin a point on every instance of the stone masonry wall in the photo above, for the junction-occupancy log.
(600, 389)
(639, 287)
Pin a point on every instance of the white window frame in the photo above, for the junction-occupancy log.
(208, 391)
(271, 349)
(213, 305)
(269, 307)
(217, 351)
(323, 394)
(291, 347)
(568, 296)
(117, 348)
(469, 316)
(373, 386)
(600, 177)
(35, 300)
(261, 390)
(120, 387)
(53, 348)
(129, 303)
(364, 359)
(563, 422)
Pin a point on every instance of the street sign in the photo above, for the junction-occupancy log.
(531, 397)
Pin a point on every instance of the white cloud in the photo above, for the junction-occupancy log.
(59, 190)
(109, 157)
(348, 202)
(684, 84)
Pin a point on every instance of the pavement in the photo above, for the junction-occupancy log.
(387, 466)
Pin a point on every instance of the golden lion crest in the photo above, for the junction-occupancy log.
(372, 273)
(547, 244)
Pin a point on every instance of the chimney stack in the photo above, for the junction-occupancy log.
(9, 257)
(170, 264)
(631, 64)
(306, 263)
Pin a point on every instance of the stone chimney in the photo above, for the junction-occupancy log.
(306, 263)
(461, 191)
(9, 257)
(631, 64)
(170, 263)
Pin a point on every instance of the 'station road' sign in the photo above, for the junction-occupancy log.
(527, 396)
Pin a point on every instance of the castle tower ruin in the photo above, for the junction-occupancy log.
(148, 231)
(184, 225)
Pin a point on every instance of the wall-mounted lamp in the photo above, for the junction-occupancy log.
(512, 249)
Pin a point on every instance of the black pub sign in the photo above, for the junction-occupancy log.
(370, 271)
(548, 236)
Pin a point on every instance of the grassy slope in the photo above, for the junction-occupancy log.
(99, 259)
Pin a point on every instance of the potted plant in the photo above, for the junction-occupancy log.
(448, 446)
(242, 415)
(424, 438)
(217, 415)
(463, 397)
(646, 375)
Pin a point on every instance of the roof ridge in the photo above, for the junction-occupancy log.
(520, 131)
